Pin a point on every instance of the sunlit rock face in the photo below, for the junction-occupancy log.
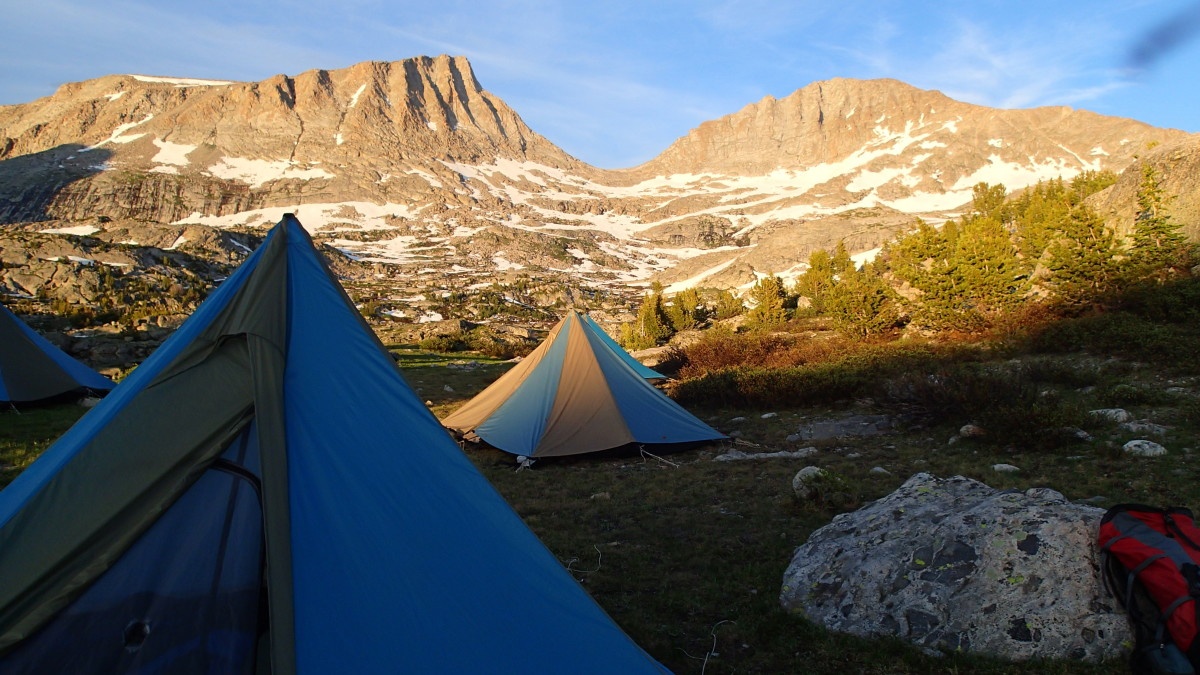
(414, 164)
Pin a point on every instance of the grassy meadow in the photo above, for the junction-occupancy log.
(687, 554)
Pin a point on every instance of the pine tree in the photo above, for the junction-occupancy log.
(989, 200)
(1157, 244)
(686, 311)
(816, 280)
(862, 304)
(988, 274)
(651, 328)
(728, 305)
(768, 296)
(1082, 261)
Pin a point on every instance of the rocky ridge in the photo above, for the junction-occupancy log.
(413, 166)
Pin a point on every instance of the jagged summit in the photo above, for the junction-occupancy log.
(414, 164)
(831, 120)
(425, 107)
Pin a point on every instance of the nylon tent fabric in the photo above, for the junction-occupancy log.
(32, 369)
(384, 548)
(642, 369)
(574, 395)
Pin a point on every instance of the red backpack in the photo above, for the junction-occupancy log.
(1151, 565)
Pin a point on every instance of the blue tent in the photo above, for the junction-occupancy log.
(575, 394)
(641, 368)
(265, 491)
(32, 369)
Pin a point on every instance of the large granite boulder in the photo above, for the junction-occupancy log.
(952, 564)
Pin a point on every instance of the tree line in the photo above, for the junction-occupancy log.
(1044, 247)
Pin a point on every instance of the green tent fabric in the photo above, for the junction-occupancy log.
(32, 369)
(266, 494)
(574, 394)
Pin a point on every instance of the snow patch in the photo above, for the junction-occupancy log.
(118, 134)
(432, 126)
(338, 138)
(996, 142)
(354, 98)
(79, 230)
(181, 81)
(865, 257)
(257, 172)
(113, 97)
(172, 153)
(1098, 151)
(355, 216)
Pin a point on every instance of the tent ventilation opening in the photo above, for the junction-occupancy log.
(135, 635)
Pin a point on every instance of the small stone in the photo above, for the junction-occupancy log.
(601, 495)
(971, 431)
(1004, 468)
(736, 433)
(767, 416)
(737, 420)
(802, 482)
(1144, 427)
(793, 438)
(880, 471)
(1111, 414)
(1143, 448)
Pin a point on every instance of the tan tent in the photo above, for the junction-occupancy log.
(574, 394)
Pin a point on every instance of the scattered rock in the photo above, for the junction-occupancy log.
(953, 564)
(854, 425)
(971, 431)
(1112, 414)
(736, 433)
(1004, 468)
(804, 483)
(734, 455)
(880, 471)
(737, 420)
(767, 416)
(1143, 448)
(601, 495)
(1144, 427)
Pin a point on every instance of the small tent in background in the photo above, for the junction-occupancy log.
(574, 394)
(266, 494)
(32, 369)
(642, 369)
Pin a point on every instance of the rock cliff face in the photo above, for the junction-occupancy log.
(413, 165)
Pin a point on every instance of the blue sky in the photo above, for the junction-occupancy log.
(614, 82)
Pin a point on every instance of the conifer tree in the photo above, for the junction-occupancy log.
(816, 280)
(686, 311)
(988, 273)
(768, 296)
(988, 200)
(728, 305)
(1157, 244)
(651, 328)
(1082, 261)
(862, 304)
(840, 262)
